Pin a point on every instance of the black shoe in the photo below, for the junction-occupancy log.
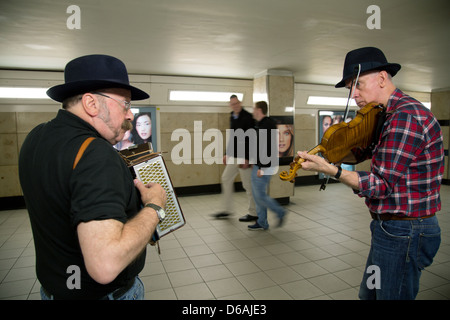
(247, 218)
(256, 226)
(221, 215)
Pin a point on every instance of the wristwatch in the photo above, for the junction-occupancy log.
(339, 172)
(159, 211)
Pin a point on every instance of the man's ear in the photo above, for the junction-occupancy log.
(383, 76)
(91, 104)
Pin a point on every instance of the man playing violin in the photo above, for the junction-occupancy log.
(402, 187)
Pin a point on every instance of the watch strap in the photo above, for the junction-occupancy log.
(339, 172)
(156, 208)
(153, 206)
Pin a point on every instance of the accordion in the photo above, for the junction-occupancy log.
(149, 166)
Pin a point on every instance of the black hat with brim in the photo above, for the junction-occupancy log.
(370, 58)
(94, 72)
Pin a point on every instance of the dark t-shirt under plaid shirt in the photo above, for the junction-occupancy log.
(407, 164)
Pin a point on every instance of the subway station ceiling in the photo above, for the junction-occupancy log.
(231, 38)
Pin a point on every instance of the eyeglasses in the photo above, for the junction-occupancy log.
(127, 104)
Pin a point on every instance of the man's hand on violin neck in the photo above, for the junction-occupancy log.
(319, 164)
(316, 163)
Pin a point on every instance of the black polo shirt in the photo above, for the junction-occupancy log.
(58, 198)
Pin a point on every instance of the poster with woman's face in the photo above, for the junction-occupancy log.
(285, 126)
(328, 118)
(143, 129)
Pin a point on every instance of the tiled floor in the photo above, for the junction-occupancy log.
(319, 253)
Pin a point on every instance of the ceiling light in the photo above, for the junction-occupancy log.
(202, 96)
(23, 93)
(37, 47)
(288, 109)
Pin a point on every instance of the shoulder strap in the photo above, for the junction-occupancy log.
(81, 151)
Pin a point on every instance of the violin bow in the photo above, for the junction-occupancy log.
(356, 72)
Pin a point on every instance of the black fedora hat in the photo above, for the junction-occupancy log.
(94, 72)
(370, 58)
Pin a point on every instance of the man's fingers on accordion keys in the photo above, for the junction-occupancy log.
(140, 185)
(150, 184)
(151, 192)
(160, 196)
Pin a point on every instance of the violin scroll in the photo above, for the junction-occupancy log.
(297, 164)
(294, 166)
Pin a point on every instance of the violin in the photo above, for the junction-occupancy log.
(339, 141)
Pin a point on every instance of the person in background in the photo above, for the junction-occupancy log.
(262, 172)
(236, 161)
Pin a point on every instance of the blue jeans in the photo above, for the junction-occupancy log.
(136, 292)
(400, 250)
(262, 200)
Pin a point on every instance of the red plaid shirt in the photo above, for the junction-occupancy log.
(408, 162)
